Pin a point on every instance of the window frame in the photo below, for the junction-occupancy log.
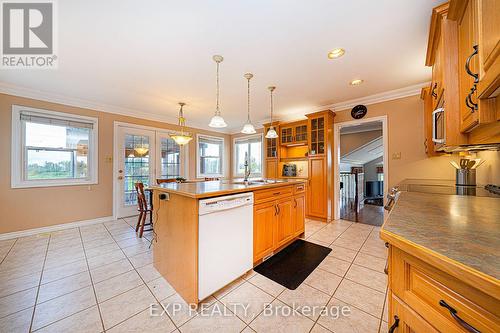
(246, 137)
(18, 149)
(198, 172)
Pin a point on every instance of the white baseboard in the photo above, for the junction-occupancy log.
(52, 228)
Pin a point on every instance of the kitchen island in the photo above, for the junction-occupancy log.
(443, 264)
(199, 255)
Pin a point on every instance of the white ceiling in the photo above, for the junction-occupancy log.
(364, 154)
(146, 56)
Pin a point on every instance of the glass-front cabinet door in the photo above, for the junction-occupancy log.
(317, 136)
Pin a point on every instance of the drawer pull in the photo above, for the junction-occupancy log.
(462, 322)
(276, 193)
(395, 325)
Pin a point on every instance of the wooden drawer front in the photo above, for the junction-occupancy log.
(272, 194)
(423, 288)
(300, 188)
(408, 320)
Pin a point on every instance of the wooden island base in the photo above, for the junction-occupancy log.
(279, 218)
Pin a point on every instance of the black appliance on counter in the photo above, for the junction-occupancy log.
(289, 170)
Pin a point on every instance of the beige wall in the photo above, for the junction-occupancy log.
(349, 142)
(28, 208)
(406, 136)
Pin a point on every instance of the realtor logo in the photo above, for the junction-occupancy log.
(28, 32)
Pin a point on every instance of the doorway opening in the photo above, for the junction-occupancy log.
(361, 169)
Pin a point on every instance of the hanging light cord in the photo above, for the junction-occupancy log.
(181, 119)
(271, 108)
(248, 100)
(217, 111)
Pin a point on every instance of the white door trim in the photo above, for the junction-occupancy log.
(116, 125)
(336, 156)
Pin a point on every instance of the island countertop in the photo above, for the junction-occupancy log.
(464, 229)
(207, 189)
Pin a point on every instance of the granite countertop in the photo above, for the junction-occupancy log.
(206, 189)
(465, 229)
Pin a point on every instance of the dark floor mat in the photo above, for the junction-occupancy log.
(292, 265)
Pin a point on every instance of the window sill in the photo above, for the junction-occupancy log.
(30, 184)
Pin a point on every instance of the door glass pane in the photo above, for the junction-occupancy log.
(170, 158)
(136, 166)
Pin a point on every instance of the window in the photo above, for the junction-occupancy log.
(170, 159)
(209, 155)
(250, 148)
(52, 148)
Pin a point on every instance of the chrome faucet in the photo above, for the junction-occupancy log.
(247, 168)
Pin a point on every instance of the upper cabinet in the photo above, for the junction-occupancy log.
(294, 134)
(463, 51)
(317, 128)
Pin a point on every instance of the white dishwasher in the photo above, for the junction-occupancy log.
(225, 241)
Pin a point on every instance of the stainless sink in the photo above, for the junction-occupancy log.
(257, 182)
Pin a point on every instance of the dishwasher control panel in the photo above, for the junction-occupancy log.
(210, 205)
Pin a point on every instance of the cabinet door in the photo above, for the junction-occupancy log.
(286, 135)
(469, 116)
(264, 217)
(489, 36)
(316, 191)
(284, 227)
(317, 136)
(272, 168)
(408, 321)
(298, 217)
(301, 133)
(437, 87)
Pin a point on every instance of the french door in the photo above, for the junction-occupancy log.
(143, 155)
(135, 158)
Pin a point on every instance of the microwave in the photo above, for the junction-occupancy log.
(438, 124)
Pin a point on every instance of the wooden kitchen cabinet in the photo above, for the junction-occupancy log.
(294, 134)
(284, 222)
(271, 149)
(404, 319)
(286, 135)
(299, 214)
(278, 219)
(316, 189)
(264, 216)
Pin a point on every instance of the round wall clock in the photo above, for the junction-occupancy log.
(359, 111)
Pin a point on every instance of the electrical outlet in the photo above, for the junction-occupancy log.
(396, 156)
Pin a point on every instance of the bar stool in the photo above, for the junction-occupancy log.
(143, 209)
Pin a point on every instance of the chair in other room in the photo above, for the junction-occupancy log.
(144, 208)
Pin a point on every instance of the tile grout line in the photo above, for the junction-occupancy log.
(145, 284)
(11, 247)
(91, 280)
(39, 283)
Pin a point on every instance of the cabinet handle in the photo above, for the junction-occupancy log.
(279, 209)
(426, 149)
(433, 93)
(275, 210)
(468, 100)
(395, 325)
(276, 193)
(462, 322)
(467, 64)
(295, 200)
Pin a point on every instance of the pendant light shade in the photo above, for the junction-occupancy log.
(248, 127)
(182, 137)
(271, 132)
(217, 121)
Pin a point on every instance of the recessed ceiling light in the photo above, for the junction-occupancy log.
(336, 53)
(356, 82)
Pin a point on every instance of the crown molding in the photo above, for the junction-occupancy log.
(19, 91)
(379, 98)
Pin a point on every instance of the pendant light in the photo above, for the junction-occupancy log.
(271, 132)
(183, 137)
(248, 127)
(217, 121)
(141, 150)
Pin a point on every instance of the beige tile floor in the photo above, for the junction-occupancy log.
(101, 278)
